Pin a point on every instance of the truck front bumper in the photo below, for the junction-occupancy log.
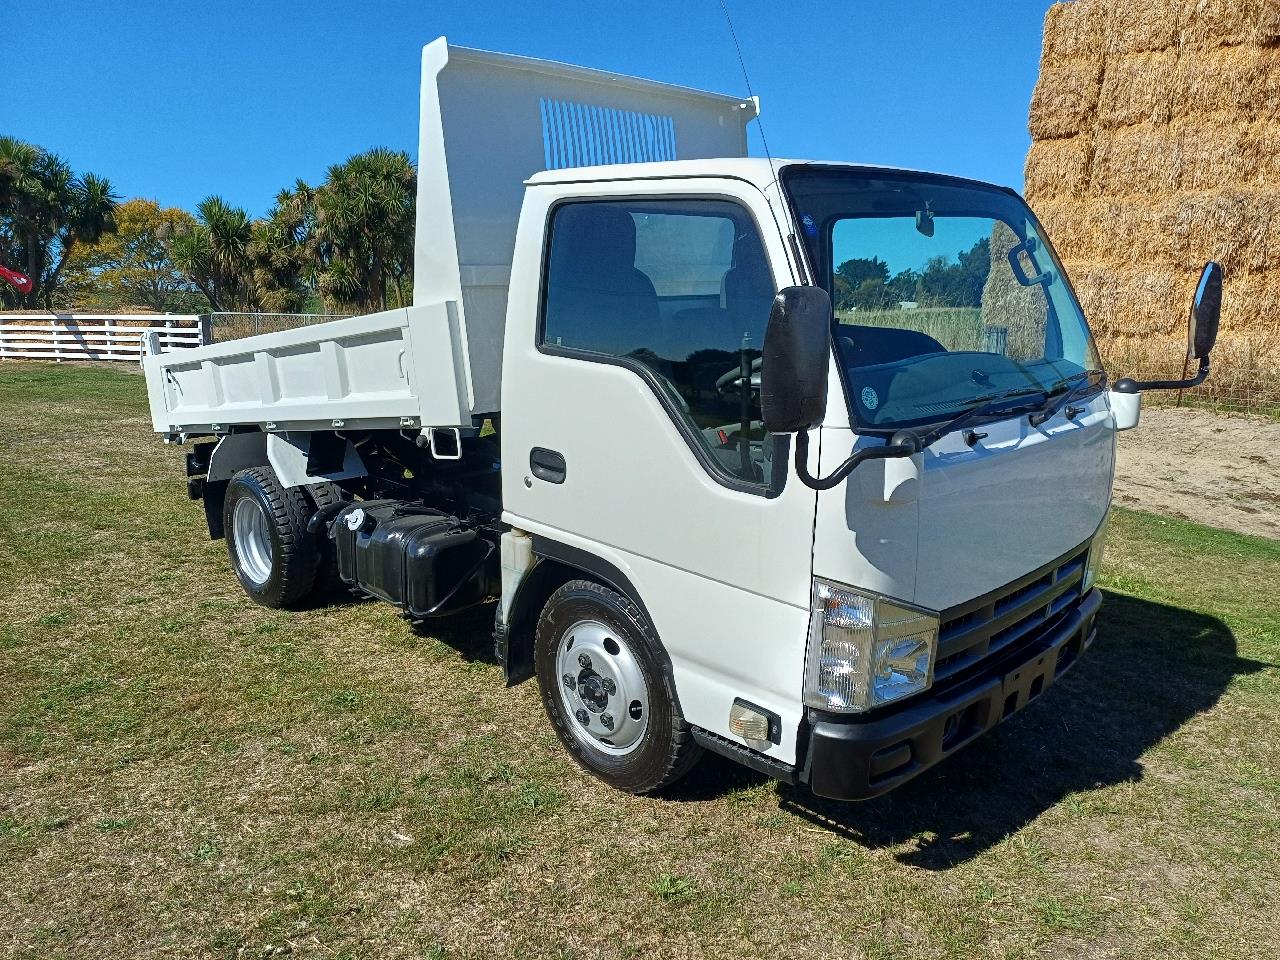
(859, 758)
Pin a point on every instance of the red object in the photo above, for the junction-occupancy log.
(18, 280)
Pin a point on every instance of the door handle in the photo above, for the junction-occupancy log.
(547, 465)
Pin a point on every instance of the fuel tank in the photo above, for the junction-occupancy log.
(426, 562)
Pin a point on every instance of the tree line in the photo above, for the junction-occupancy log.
(343, 246)
(866, 284)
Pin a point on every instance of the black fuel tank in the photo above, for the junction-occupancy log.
(423, 561)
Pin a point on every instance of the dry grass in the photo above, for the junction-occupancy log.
(956, 328)
(185, 774)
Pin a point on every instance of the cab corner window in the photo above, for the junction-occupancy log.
(680, 290)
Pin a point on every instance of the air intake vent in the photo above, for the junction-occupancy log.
(579, 135)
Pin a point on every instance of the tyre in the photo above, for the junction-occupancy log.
(273, 556)
(328, 584)
(605, 691)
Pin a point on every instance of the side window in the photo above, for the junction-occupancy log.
(681, 288)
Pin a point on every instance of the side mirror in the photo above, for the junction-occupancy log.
(1206, 313)
(797, 355)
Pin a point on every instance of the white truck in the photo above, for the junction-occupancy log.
(716, 513)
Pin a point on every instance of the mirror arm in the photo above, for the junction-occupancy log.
(1137, 386)
(906, 447)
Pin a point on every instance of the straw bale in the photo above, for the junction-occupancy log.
(1167, 156)
(1021, 310)
(1268, 28)
(1128, 300)
(1228, 23)
(1237, 228)
(1259, 161)
(1059, 168)
(1244, 81)
(1075, 31)
(1154, 304)
(1249, 310)
(1137, 88)
(1118, 232)
(1142, 159)
(1142, 27)
(1065, 99)
(1215, 153)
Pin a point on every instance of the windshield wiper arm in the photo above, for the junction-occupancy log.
(1063, 392)
(907, 443)
(985, 407)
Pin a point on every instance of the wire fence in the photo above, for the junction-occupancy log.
(1243, 379)
(232, 326)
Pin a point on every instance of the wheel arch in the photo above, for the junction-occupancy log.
(557, 564)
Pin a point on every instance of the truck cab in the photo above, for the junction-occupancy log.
(641, 298)
(806, 464)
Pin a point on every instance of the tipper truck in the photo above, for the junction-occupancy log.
(806, 464)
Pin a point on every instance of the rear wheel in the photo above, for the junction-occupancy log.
(605, 691)
(273, 556)
(328, 583)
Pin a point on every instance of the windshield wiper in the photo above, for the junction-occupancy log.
(1063, 392)
(907, 443)
(985, 406)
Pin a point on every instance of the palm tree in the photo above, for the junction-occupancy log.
(281, 266)
(214, 255)
(362, 238)
(45, 211)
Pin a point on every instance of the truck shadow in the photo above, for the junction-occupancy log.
(1153, 668)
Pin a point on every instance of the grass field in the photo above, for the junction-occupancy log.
(185, 774)
(956, 328)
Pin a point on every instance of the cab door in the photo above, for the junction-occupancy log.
(631, 425)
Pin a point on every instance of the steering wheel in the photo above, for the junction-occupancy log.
(731, 382)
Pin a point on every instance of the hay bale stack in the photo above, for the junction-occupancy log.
(1156, 127)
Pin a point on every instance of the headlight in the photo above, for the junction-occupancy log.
(1094, 563)
(865, 651)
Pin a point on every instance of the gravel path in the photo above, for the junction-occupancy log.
(1219, 470)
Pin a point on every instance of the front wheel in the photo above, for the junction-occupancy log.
(605, 691)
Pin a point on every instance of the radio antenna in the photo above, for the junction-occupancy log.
(724, 7)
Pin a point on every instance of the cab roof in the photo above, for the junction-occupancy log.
(755, 170)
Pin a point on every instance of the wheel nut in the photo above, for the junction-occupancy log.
(584, 720)
(568, 681)
(584, 661)
(607, 720)
(609, 687)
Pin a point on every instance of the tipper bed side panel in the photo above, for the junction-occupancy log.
(371, 371)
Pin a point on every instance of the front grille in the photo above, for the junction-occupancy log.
(1007, 620)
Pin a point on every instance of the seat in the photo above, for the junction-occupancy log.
(596, 298)
(749, 288)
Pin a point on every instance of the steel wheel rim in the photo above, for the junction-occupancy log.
(601, 688)
(252, 541)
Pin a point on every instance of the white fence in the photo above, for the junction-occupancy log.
(82, 336)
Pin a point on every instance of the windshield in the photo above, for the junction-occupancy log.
(946, 294)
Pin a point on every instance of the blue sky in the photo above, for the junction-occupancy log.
(177, 100)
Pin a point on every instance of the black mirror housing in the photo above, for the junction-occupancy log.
(1206, 313)
(797, 357)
